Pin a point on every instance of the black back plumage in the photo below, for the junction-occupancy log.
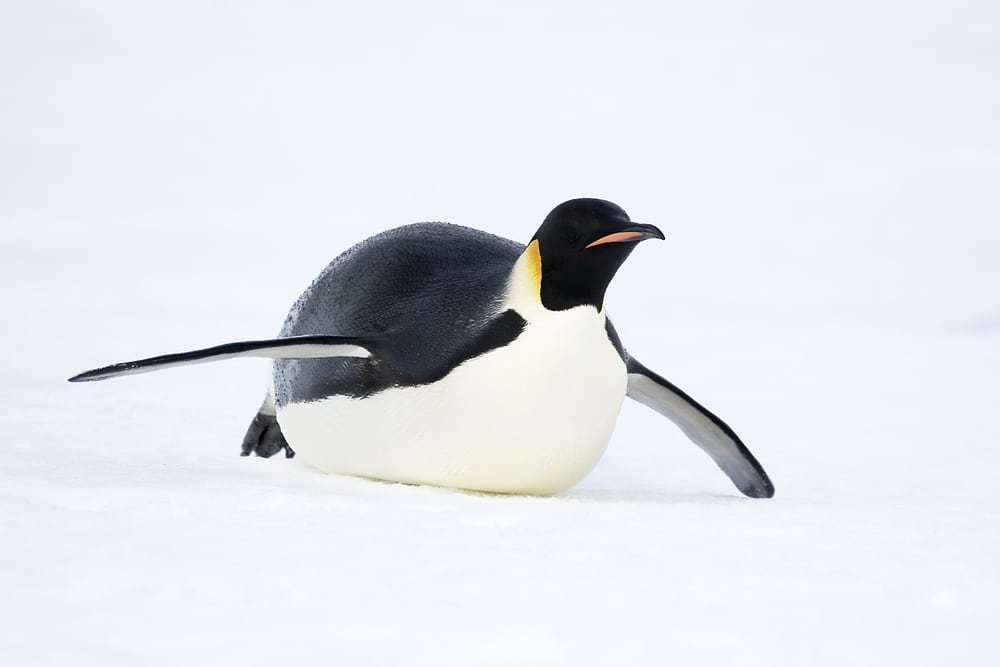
(427, 297)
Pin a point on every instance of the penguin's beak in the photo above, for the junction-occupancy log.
(631, 233)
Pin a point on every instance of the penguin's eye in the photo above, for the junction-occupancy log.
(571, 236)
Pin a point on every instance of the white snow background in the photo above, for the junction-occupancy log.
(172, 175)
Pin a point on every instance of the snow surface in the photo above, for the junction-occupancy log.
(172, 176)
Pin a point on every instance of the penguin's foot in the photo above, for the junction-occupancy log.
(264, 438)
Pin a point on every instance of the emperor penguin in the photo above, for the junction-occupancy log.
(443, 355)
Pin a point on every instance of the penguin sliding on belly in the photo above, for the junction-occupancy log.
(438, 354)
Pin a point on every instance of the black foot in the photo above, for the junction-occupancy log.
(264, 438)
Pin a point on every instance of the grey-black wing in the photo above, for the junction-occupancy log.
(703, 428)
(292, 347)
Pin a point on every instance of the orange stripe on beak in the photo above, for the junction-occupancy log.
(617, 237)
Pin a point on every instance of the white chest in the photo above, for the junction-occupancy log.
(530, 417)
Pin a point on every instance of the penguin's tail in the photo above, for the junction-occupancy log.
(293, 347)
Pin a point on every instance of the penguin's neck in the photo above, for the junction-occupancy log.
(524, 288)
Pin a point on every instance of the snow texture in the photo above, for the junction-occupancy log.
(173, 174)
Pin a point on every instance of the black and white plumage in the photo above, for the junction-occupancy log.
(439, 354)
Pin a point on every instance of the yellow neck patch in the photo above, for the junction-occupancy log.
(533, 263)
(524, 287)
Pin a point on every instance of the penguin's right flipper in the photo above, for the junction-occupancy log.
(703, 428)
(293, 347)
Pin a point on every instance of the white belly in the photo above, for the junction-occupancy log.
(531, 417)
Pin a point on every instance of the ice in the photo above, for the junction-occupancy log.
(172, 176)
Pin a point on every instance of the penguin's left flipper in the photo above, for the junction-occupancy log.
(292, 347)
(705, 429)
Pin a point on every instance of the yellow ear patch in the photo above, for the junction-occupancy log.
(533, 262)
(524, 287)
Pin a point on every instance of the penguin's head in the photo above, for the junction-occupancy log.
(580, 246)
